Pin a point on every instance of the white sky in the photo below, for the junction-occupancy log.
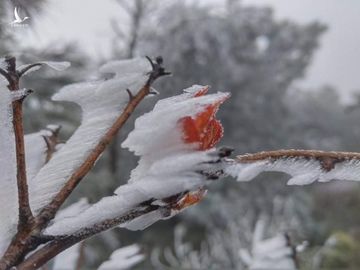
(336, 63)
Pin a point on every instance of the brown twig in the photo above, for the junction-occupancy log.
(21, 241)
(25, 215)
(315, 154)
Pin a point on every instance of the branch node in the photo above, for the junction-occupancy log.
(157, 69)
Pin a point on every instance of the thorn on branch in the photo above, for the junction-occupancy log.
(131, 96)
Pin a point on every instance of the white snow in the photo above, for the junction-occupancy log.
(73, 210)
(68, 259)
(123, 258)
(102, 103)
(8, 190)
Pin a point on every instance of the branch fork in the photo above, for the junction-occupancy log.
(29, 235)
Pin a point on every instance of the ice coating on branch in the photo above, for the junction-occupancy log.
(304, 167)
(58, 66)
(102, 103)
(176, 168)
(123, 258)
(8, 190)
(128, 197)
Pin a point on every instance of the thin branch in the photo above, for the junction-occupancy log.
(315, 154)
(25, 215)
(327, 160)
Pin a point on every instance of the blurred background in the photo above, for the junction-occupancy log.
(292, 70)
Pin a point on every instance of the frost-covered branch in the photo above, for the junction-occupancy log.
(49, 251)
(187, 165)
(305, 166)
(14, 146)
(25, 214)
(106, 104)
(49, 211)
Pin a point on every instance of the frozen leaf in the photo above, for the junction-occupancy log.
(304, 166)
(187, 124)
(123, 258)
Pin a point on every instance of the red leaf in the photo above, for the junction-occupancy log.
(203, 128)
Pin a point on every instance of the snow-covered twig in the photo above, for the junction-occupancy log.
(26, 217)
(305, 166)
